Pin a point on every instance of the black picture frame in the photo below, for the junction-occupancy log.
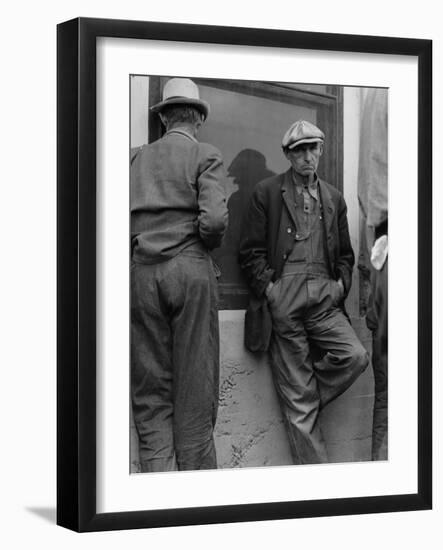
(76, 274)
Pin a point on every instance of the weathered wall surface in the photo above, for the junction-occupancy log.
(250, 431)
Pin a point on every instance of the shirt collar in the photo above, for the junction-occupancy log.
(312, 187)
(181, 131)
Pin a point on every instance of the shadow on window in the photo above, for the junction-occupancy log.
(245, 171)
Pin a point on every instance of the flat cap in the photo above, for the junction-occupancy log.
(300, 132)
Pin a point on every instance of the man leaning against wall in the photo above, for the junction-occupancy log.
(297, 257)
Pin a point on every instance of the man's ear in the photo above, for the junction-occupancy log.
(163, 119)
(321, 149)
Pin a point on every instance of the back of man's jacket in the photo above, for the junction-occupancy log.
(177, 197)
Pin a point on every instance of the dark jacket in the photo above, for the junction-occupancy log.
(268, 238)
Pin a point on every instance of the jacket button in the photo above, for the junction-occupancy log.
(285, 256)
(289, 230)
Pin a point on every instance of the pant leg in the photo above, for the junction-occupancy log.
(380, 364)
(328, 328)
(192, 288)
(380, 410)
(293, 372)
(175, 362)
(151, 370)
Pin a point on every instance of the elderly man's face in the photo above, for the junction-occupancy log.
(304, 159)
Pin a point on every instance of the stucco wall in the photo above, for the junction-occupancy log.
(249, 429)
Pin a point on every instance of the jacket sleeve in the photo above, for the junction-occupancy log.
(213, 212)
(346, 259)
(253, 254)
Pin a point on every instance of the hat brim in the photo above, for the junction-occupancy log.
(301, 141)
(200, 104)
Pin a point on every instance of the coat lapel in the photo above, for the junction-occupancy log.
(327, 205)
(328, 209)
(287, 196)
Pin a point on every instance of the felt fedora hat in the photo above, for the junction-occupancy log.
(181, 91)
(300, 132)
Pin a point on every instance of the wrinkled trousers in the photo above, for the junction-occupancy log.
(175, 362)
(306, 313)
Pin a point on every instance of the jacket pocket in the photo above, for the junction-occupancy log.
(258, 326)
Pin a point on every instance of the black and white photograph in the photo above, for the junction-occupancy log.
(258, 273)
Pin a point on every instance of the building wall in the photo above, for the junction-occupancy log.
(139, 110)
(249, 430)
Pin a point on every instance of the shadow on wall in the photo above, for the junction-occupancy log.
(245, 171)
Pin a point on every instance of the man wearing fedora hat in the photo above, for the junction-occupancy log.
(297, 256)
(178, 214)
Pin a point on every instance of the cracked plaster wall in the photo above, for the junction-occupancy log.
(250, 429)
